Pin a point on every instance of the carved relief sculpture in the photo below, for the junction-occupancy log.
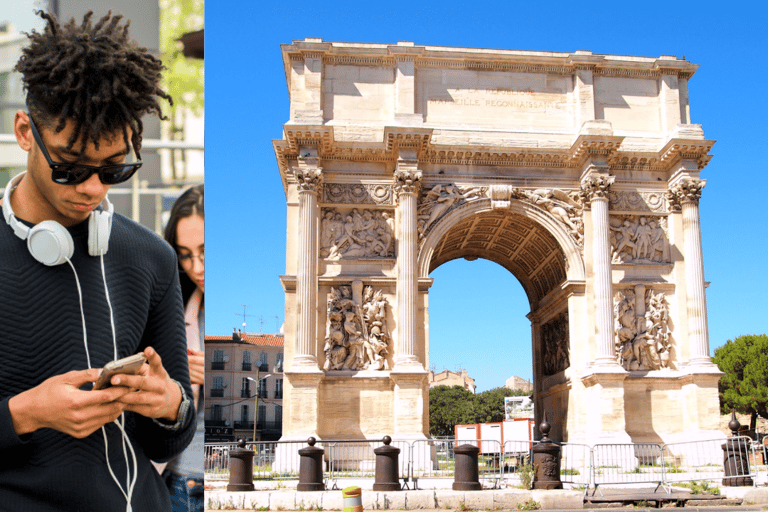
(357, 336)
(643, 341)
(439, 200)
(639, 239)
(355, 234)
(357, 193)
(555, 351)
(563, 206)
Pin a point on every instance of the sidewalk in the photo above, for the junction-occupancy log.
(750, 498)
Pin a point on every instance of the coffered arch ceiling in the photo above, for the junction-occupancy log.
(516, 242)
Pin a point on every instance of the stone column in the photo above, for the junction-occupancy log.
(595, 189)
(309, 177)
(407, 186)
(685, 195)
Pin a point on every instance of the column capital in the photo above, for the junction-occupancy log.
(407, 177)
(687, 190)
(308, 178)
(595, 186)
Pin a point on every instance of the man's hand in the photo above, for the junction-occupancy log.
(196, 366)
(153, 393)
(58, 403)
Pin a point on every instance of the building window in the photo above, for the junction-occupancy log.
(246, 361)
(264, 362)
(216, 413)
(263, 388)
(244, 416)
(217, 389)
(261, 421)
(245, 391)
(279, 362)
(218, 360)
(279, 388)
(279, 414)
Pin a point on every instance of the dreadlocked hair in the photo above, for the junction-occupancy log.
(93, 75)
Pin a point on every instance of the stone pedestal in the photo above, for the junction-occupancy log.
(311, 468)
(736, 458)
(387, 474)
(466, 473)
(240, 469)
(546, 461)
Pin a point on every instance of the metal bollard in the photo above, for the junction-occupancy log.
(466, 476)
(387, 478)
(546, 460)
(311, 467)
(735, 458)
(240, 468)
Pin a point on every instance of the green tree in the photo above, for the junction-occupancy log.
(489, 406)
(449, 406)
(744, 387)
(183, 77)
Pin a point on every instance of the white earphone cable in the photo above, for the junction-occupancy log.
(120, 422)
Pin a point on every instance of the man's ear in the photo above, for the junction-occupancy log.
(23, 130)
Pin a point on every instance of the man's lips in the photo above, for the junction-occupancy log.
(85, 207)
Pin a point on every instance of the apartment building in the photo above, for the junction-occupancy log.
(244, 387)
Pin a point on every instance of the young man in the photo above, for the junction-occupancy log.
(90, 288)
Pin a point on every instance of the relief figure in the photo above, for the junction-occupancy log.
(366, 234)
(357, 336)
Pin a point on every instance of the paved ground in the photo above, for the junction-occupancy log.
(737, 499)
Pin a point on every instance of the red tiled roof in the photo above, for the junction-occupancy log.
(269, 340)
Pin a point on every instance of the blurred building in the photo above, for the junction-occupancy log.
(450, 379)
(243, 376)
(515, 382)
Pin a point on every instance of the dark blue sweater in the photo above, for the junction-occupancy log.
(41, 335)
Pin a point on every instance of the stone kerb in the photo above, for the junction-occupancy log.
(575, 262)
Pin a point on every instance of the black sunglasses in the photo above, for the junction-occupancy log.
(72, 174)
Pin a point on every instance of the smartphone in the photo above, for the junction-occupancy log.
(127, 366)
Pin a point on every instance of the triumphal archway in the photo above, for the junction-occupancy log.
(579, 173)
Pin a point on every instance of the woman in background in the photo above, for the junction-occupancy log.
(185, 231)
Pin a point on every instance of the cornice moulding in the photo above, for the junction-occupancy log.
(419, 140)
(561, 63)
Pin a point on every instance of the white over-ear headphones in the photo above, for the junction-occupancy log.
(49, 242)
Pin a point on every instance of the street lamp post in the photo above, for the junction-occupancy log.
(256, 398)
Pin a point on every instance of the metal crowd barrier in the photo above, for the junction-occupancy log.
(433, 462)
(703, 460)
(576, 465)
(355, 459)
(516, 456)
(637, 463)
(430, 464)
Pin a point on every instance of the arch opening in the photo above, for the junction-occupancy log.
(529, 245)
(478, 323)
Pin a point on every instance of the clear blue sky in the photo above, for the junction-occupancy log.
(488, 334)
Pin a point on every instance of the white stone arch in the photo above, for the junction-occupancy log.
(575, 269)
